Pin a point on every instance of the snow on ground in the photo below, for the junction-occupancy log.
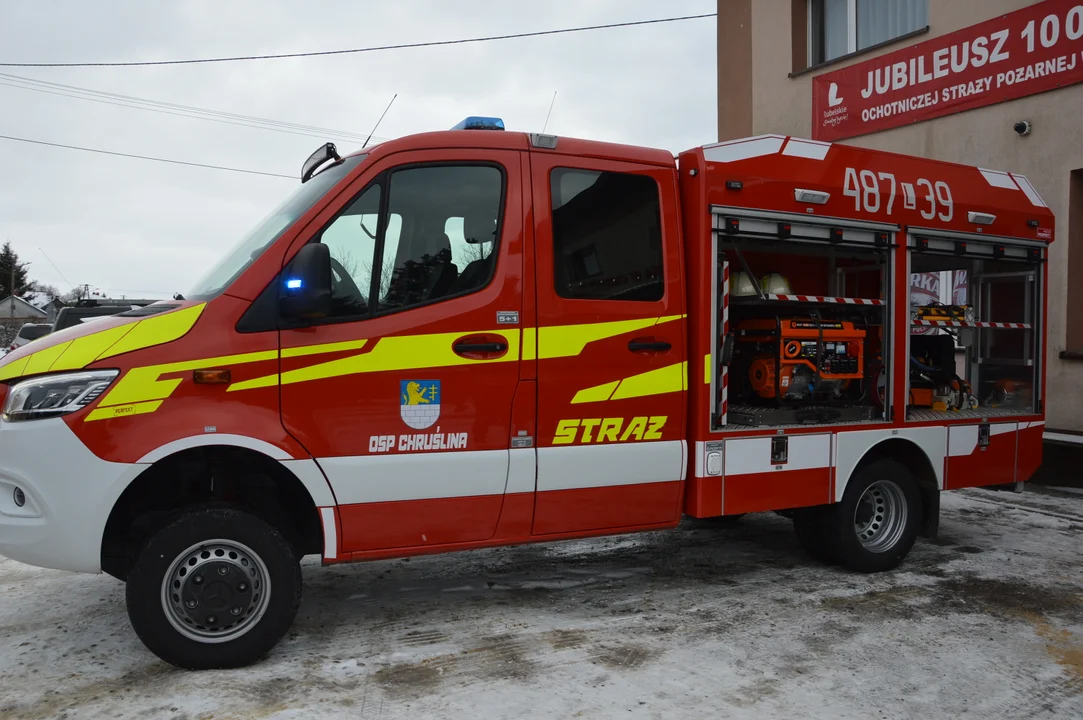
(704, 621)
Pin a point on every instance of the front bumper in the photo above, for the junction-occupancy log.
(69, 493)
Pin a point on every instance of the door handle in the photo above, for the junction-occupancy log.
(482, 346)
(649, 346)
(493, 347)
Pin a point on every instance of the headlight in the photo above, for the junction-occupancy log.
(53, 395)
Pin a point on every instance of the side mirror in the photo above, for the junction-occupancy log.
(305, 292)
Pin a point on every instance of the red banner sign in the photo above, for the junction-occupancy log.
(1029, 51)
(924, 290)
(958, 288)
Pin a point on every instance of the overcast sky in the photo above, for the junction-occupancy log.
(148, 229)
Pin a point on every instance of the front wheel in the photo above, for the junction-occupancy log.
(216, 588)
(876, 524)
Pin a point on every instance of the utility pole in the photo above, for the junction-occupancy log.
(11, 299)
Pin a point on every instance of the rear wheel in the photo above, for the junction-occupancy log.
(216, 588)
(876, 524)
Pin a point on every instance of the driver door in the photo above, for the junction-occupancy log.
(404, 396)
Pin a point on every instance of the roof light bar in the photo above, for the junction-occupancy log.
(478, 122)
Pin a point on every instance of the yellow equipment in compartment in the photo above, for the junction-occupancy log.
(937, 311)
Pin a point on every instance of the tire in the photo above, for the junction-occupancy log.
(876, 524)
(813, 530)
(256, 578)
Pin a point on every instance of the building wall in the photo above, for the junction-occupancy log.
(982, 137)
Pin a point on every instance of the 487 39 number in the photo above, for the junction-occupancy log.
(871, 191)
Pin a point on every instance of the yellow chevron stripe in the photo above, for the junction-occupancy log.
(325, 348)
(530, 343)
(144, 383)
(668, 379)
(598, 393)
(156, 330)
(142, 389)
(42, 360)
(15, 368)
(81, 351)
(557, 341)
(671, 378)
(400, 352)
(84, 350)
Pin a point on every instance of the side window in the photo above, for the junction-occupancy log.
(351, 238)
(607, 236)
(447, 237)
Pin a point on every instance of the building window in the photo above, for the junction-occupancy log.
(841, 27)
(607, 236)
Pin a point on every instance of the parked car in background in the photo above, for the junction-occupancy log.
(28, 332)
(71, 316)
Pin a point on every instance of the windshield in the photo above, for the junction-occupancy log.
(252, 245)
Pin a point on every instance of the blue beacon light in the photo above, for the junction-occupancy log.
(294, 284)
(477, 122)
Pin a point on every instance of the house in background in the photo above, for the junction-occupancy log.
(23, 312)
(51, 305)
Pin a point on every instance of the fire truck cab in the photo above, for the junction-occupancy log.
(475, 337)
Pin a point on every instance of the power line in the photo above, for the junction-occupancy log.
(147, 157)
(402, 46)
(129, 101)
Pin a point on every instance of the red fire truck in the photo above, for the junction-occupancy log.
(473, 338)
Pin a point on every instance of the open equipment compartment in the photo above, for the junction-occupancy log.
(975, 353)
(803, 328)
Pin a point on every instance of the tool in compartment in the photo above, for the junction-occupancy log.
(1010, 394)
(942, 312)
(934, 383)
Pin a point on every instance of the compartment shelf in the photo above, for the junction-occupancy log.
(815, 299)
(983, 413)
(963, 323)
(739, 409)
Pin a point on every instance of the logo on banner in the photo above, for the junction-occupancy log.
(833, 98)
(419, 402)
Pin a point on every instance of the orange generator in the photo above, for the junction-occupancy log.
(793, 359)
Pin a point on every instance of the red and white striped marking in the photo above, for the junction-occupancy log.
(962, 323)
(724, 391)
(820, 299)
(1013, 181)
(761, 145)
